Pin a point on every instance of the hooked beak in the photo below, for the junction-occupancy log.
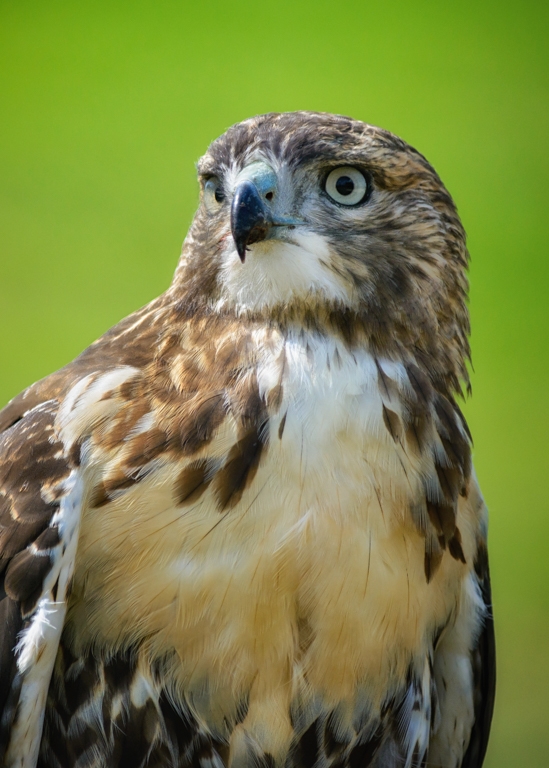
(250, 220)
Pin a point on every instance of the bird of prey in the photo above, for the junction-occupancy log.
(242, 528)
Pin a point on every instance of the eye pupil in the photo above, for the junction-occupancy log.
(219, 195)
(345, 185)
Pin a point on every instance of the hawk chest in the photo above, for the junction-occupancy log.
(304, 582)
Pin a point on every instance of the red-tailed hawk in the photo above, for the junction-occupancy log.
(242, 529)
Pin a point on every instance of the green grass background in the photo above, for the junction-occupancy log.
(106, 106)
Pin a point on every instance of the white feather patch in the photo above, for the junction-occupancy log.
(276, 271)
(84, 406)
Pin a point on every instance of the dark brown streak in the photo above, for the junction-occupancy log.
(192, 481)
(392, 423)
(239, 468)
(281, 426)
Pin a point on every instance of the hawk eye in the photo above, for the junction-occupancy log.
(347, 185)
(213, 192)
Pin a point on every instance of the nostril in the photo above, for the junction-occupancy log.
(269, 195)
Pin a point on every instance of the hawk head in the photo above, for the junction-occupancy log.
(319, 219)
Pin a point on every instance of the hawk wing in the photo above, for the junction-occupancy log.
(483, 661)
(465, 672)
(39, 519)
(39, 522)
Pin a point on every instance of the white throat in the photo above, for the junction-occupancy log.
(277, 272)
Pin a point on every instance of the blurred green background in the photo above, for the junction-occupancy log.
(106, 106)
